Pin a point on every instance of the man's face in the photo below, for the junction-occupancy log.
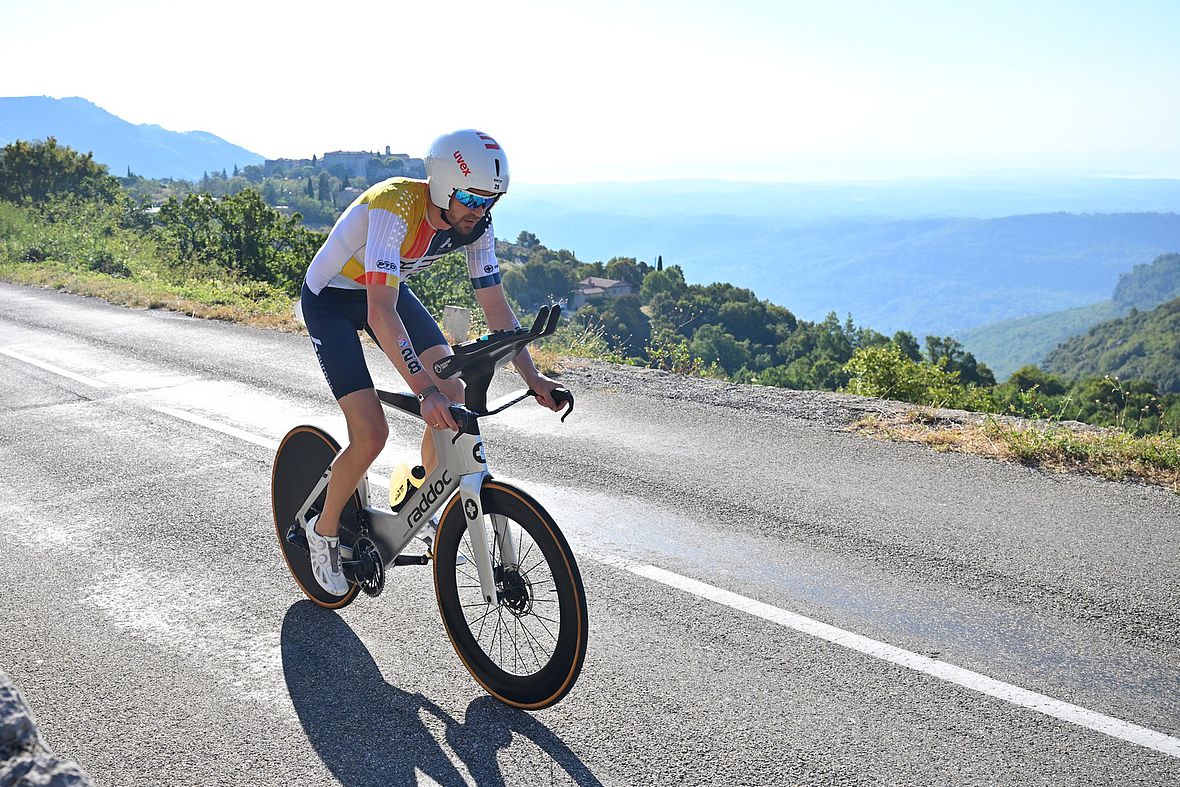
(464, 218)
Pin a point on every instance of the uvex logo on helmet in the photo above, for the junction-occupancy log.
(466, 170)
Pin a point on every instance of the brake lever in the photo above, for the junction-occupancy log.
(561, 395)
(461, 418)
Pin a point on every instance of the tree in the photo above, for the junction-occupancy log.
(538, 282)
(908, 344)
(627, 269)
(309, 190)
(242, 235)
(623, 318)
(958, 360)
(669, 281)
(325, 191)
(527, 239)
(37, 172)
(712, 344)
(1026, 378)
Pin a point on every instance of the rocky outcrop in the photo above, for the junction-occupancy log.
(25, 761)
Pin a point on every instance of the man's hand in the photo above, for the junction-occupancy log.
(543, 387)
(436, 412)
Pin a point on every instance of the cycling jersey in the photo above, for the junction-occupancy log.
(384, 236)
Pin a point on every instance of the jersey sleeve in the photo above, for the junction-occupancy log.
(387, 230)
(481, 260)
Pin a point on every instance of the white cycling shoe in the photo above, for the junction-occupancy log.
(325, 560)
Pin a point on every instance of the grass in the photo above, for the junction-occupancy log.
(249, 303)
(1112, 454)
(572, 341)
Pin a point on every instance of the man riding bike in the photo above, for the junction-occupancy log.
(356, 281)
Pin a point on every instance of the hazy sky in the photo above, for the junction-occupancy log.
(740, 89)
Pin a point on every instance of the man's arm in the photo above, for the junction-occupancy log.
(391, 333)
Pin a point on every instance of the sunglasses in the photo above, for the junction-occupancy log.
(474, 201)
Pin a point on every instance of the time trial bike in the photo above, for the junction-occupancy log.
(507, 585)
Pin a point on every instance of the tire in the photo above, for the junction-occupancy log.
(303, 456)
(526, 651)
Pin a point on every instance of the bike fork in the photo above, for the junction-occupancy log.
(469, 489)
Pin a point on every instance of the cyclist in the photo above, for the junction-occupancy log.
(357, 281)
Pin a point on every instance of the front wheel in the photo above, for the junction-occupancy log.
(527, 649)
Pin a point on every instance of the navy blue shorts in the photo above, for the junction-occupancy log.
(335, 318)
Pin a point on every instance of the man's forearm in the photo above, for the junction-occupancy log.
(395, 342)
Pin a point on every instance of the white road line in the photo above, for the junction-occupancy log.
(1107, 725)
(51, 368)
(1041, 703)
(241, 434)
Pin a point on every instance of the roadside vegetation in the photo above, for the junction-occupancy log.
(1110, 453)
(66, 223)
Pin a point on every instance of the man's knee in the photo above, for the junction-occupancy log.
(369, 438)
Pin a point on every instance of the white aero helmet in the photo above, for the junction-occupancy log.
(465, 159)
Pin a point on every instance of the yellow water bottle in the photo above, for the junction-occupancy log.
(402, 482)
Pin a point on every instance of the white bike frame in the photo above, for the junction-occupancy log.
(462, 465)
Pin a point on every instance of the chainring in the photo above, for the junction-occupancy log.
(370, 569)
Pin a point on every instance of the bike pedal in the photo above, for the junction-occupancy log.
(297, 537)
(411, 560)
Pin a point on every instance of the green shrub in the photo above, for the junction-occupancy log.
(883, 371)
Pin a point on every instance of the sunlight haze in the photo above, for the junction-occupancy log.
(745, 90)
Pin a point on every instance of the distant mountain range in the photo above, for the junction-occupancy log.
(1140, 346)
(1008, 345)
(148, 150)
(929, 275)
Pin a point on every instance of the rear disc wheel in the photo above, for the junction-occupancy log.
(303, 456)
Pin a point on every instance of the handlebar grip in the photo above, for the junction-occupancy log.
(563, 396)
(459, 412)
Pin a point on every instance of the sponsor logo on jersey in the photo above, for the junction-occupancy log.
(466, 170)
(488, 269)
(386, 265)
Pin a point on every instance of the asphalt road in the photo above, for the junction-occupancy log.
(773, 600)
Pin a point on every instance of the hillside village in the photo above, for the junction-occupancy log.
(359, 168)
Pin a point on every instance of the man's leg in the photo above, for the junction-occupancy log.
(367, 432)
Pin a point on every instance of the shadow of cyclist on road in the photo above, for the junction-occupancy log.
(489, 726)
(371, 733)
